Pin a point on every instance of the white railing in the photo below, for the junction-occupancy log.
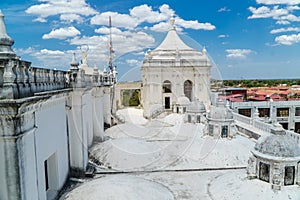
(241, 118)
(262, 126)
(294, 135)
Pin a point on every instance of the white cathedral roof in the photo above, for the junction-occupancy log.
(172, 41)
(173, 49)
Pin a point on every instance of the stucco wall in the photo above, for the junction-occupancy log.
(51, 138)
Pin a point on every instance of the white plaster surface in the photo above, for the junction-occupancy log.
(183, 148)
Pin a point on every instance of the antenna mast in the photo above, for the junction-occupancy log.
(111, 50)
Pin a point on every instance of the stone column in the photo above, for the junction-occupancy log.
(17, 151)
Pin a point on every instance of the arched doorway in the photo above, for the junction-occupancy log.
(167, 87)
(188, 88)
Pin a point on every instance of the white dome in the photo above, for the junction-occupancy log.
(183, 100)
(220, 113)
(278, 146)
(196, 107)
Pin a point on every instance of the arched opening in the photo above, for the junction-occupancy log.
(264, 172)
(188, 88)
(289, 175)
(167, 87)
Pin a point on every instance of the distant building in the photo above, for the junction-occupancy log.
(174, 70)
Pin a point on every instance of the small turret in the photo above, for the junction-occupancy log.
(74, 64)
(5, 41)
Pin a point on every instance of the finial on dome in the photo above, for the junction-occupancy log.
(5, 41)
(172, 22)
(74, 64)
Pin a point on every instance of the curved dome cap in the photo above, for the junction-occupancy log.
(174, 49)
(221, 113)
(278, 144)
(183, 100)
(196, 107)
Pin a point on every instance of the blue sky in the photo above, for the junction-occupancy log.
(248, 39)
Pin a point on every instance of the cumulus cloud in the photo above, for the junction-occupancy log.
(271, 2)
(134, 62)
(51, 52)
(224, 9)
(283, 22)
(71, 18)
(281, 30)
(145, 13)
(49, 8)
(118, 20)
(62, 33)
(288, 39)
(194, 24)
(223, 36)
(128, 31)
(238, 53)
(266, 12)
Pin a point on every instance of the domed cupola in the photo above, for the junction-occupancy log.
(195, 112)
(275, 159)
(221, 122)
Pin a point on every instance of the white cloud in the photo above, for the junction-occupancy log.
(223, 36)
(194, 24)
(106, 30)
(51, 52)
(283, 22)
(118, 20)
(161, 27)
(71, 18)
(238, 53)
(224, 9)
(62, 33)
(57, 7)
(290, 17)
(144, 13)
(165, 8)
(134, 62)
(270, 2)
(266, 12)
(293, 8)
(288, 39)
(281, 30)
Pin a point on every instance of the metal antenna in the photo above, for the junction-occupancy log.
(111, 50)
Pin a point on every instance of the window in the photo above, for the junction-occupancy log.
(264, 112)
(297, 111)
(46, 175)
(282, 112)
(167, 87)
(198, 119)
(289, 175)
(189, 118)
(188, 87)
(245, 111)
(264, 172)
(167, 103)
(284, 125)
(210, 129)
(224, 132)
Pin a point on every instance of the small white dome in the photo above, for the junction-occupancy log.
(278, 146)
(183, 100)
(196, 107)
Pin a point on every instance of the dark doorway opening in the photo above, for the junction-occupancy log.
(167, 103)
